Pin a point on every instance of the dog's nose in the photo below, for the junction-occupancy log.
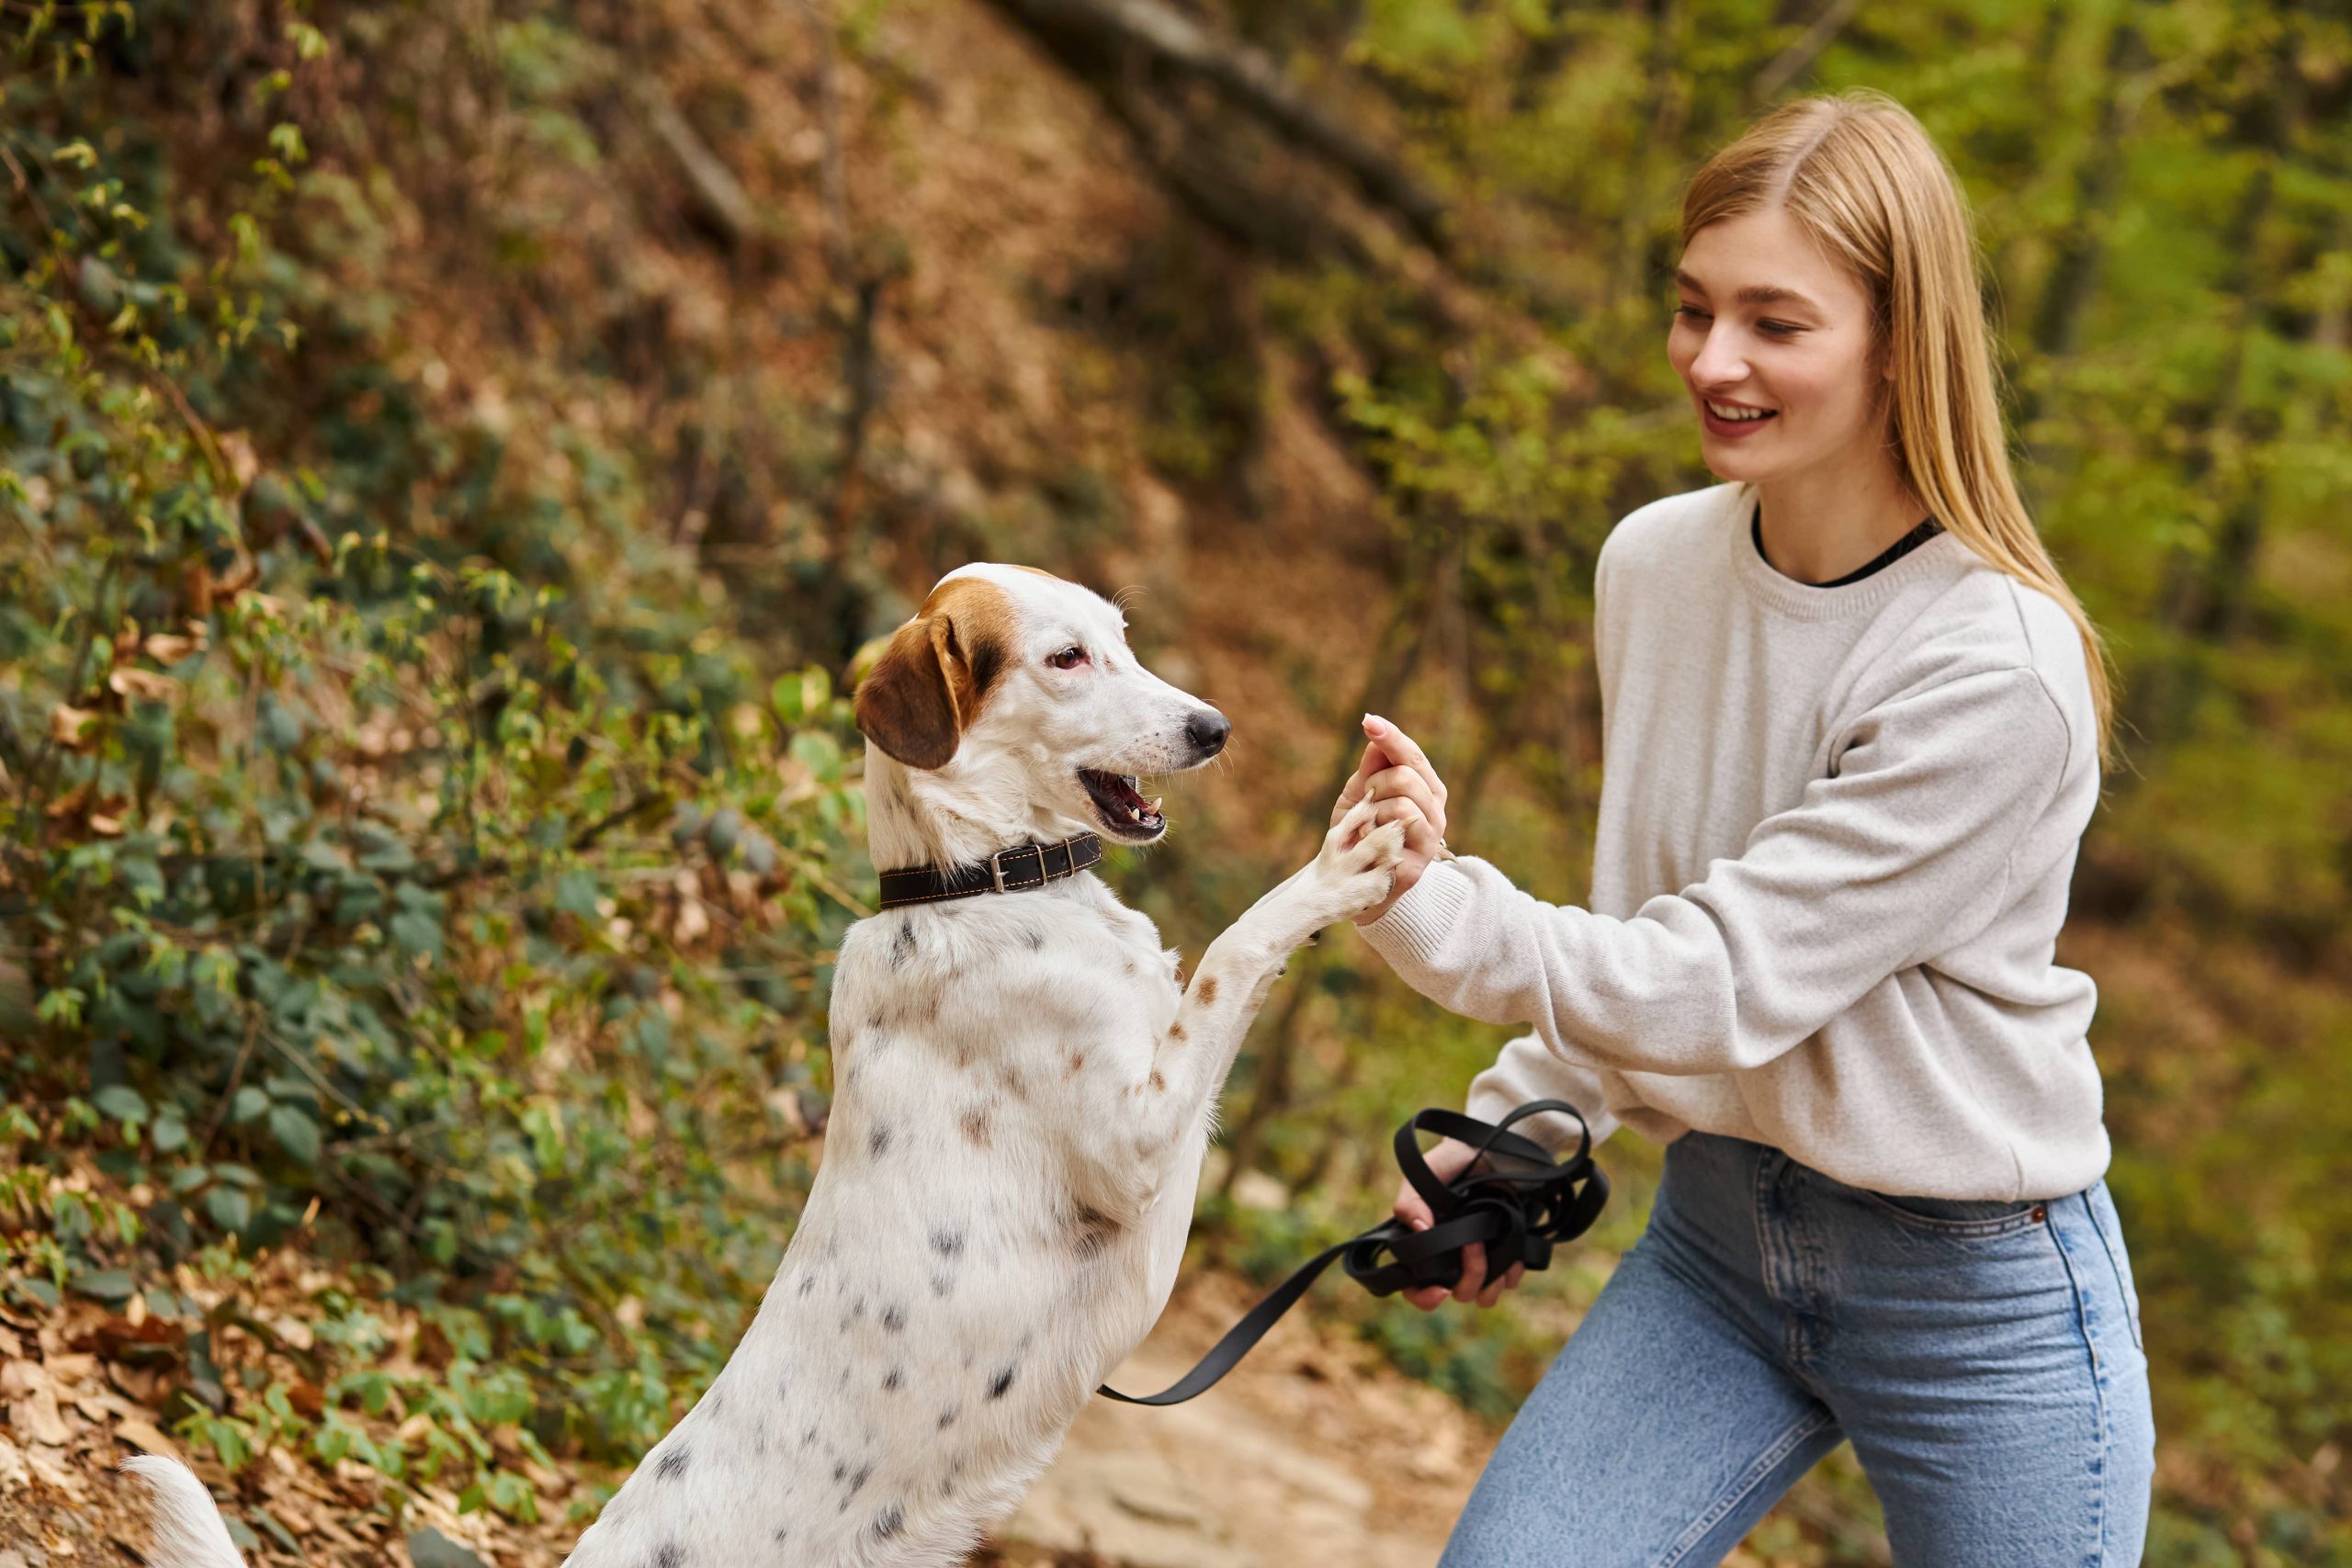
(1206, 730)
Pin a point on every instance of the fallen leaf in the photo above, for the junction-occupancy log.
(71, 727)
(164, 647)
(144, 685)
(146, 1435)
(35, 1416)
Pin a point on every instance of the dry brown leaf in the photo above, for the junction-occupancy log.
(164, 647)
(142, 684)
(37, 1417)
(152, 1437)
(71, 1367)
(71, 727)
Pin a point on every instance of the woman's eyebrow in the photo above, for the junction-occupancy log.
(1754, 293)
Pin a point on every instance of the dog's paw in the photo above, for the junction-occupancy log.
(1357, 864)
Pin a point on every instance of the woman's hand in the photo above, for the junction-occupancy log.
(1396, 775)
(1447, 1161)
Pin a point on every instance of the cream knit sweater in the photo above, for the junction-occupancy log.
(1836, 827)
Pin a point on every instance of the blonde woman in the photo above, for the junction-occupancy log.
(1853, 722)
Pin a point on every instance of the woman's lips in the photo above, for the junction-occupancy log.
(1733, 429)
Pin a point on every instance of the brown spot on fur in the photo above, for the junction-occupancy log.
(1175, 1031)
(1207, 990)
(976, 1130)
(1157, 1082)
(1077, 1060)
(1010, 1079)
(927, 687)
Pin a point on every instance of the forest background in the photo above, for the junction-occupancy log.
(451, 454)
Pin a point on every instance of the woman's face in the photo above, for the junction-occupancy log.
(1775, 342)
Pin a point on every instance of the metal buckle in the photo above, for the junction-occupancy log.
(996, 864)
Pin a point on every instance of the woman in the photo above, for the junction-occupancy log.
(1852, 724)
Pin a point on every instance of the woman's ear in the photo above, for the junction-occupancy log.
(907, 703)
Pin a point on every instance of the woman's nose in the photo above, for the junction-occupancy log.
(1720, 362)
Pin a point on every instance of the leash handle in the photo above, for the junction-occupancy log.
(1520, 1214)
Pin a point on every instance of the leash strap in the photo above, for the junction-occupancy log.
(1514, 1197)
(1016, 870)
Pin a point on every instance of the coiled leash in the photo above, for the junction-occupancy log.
(1514, 1197)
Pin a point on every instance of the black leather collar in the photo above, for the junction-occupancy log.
(1016, 870)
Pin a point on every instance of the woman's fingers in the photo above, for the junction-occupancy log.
(1474, 1272)
(1510, 1281)
(1405, 783)
(1375, 759)
(1422, 841)
(1403, 751)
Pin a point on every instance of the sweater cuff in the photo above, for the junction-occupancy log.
(1409, 936)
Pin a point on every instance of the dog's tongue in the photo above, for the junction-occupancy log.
(1122, 797)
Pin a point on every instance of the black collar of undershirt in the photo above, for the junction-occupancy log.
(1927, 528)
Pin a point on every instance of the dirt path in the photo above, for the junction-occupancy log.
(1311, 1449)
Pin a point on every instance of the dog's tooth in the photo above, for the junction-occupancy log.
(1153, 808)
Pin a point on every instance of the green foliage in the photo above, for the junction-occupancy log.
(415, 852)
(390, 840)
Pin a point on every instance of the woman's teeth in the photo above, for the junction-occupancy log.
(1728, 411)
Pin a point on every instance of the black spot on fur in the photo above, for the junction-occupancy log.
(1036, 938)
(670, 1465)
(783, 1534)
(948, 1240)
(892, 1379)
(1000, 1383)
(874, 1020)
(857, 1483)
(671, 1555)
(841, 1473)
(888, 1522)
(947, 1416)
(894, 1318)
(808, 1281)
(877, 1142)
(809, 1438)
(943, 1285)
(902, 946)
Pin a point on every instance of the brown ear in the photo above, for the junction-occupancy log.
(906, 702)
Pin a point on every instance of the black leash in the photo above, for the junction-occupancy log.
(1513, 1196)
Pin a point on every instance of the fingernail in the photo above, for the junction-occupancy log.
(1373, 721)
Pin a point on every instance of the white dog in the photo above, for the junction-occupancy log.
(1023, 1093)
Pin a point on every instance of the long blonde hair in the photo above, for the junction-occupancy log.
(1861, 177)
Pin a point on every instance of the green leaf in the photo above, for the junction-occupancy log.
(295, 1132)
(428, 1548)
(229, 1208)
(104, 1284)
(250, 1102)
(121, 1103)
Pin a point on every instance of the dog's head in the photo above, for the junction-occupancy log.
(1023, 687)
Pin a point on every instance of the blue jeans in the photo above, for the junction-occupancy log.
(1983, 1358)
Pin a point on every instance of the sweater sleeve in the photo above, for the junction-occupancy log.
(1900, 853)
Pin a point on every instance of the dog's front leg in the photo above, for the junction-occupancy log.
(1151, 1116)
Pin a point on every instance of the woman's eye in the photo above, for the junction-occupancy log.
(1690, 312)
(1067, 658)
(1779, 329)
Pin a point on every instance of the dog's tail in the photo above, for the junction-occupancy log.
(189, 1532)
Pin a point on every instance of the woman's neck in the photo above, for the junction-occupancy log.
(1823, 524)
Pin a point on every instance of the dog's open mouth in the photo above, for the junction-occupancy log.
(1122, 807)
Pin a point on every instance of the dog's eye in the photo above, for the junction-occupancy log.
(1067, 658)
